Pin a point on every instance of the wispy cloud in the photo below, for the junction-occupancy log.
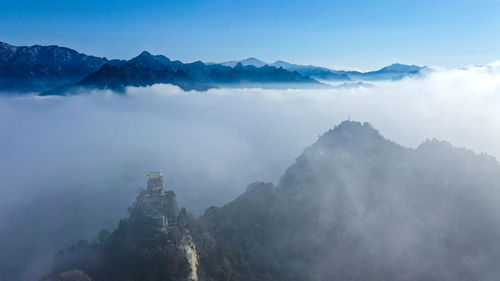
(212, 144)
(232, 136)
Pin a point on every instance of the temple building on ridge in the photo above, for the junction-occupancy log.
(157, 203)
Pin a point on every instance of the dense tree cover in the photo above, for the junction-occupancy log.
(353, 206)
(136, 250)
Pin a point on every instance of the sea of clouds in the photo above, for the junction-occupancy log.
(211, 145)
(214, 142)
(229, 137)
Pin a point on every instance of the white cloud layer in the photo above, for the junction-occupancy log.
(86, 156)
(212, 144)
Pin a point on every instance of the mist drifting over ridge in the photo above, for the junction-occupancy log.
(457, 105)
(211, 145)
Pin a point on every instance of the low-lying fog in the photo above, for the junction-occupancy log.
(71, 165)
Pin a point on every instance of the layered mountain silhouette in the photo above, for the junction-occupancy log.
(353, 206)
(147, 69)
(393, 72)
(249, 61)
(54, 70)
(38, 68)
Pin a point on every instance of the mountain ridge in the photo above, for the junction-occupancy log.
(54, 70)
(37, 68)
(147, 69)
(353, 206)
(395, 71)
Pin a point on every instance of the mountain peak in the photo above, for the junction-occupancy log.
(398, 67)
(246, 62)
(145, 54)
(252, 61)
(281, 63)
(350, 133)
(146, 59)
(6, 51)
(3, 45)
(354, 127)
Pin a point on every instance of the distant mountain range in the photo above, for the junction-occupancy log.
(147, 69)
(54, 70)
(393, 72)
(38, 68)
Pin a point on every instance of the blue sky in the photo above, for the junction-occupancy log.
(359, 34)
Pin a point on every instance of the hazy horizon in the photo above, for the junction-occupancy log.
(212, 144)
(348, 67)
(360, 34)
(275, 185)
